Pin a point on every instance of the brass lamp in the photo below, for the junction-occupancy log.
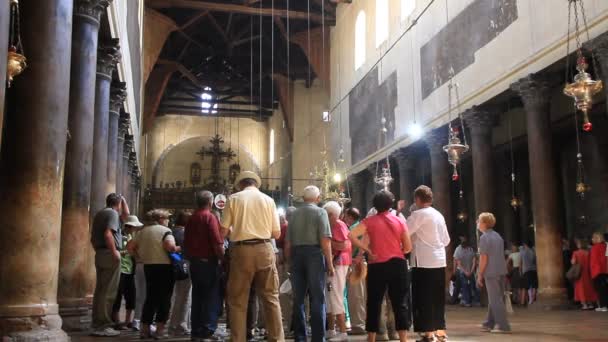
(583, 89)
(16, 61)
(384, 179)
(455, 149)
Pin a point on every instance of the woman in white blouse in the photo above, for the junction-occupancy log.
(430, 237)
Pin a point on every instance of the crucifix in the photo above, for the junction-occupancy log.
(217, 154)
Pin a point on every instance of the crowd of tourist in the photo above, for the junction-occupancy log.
(319, 272)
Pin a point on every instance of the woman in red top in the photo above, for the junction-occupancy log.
(388, 242)
(599, 270)
(583, 286)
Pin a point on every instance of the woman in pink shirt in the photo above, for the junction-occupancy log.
(389, 241)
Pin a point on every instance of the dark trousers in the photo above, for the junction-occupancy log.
(308, 277)
(601, 287)
(159, 289)
(391, 275)
(126, 290)
(206, 299)
(428, 299)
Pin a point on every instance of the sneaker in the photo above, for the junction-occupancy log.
(330, 334)
(485, 328)
(340, 337)
(357, 331)
(135, 325)
(500, 331)
(107, 332)
(604, 309)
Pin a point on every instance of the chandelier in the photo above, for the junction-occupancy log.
(384, 179)
(583, 87)
(455, 147)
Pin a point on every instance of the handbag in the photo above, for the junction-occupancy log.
(178, 263)
(574, 273)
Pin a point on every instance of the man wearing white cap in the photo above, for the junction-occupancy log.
(250, 221)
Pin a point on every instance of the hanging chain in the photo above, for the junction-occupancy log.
(511, 150)
(459, 111)
(412, 77)
(568, 71)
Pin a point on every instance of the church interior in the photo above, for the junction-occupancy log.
(497, 105)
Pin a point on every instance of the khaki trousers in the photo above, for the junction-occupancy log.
(108, 277)
(356, 305)
(254, 264)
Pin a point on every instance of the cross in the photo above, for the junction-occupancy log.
(217, 154)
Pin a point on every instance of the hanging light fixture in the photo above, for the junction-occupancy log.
(455, 148)
(462, 215)
(515, 202)
(16, 61)
(583, 87)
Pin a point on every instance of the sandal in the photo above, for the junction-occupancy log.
(426, 339)
(441, 338)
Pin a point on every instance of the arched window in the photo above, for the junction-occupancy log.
(407, 8)
(360, 40)
(382, 21)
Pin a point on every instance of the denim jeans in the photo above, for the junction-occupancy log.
(468, 288)
(206, 302)
(308, 276)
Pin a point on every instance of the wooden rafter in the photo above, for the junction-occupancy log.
(195, 18)
(234, 8)
(219, 29)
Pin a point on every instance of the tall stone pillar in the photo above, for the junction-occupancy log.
(75, 280)
(535, 94)
(118, 94)
(440, 177)
(107, 57)
(31, 176)
(406, 162)
(599, 45)
(125, 164)
(131, 175)
(358, 184)
(481, 120)
(4, 28)
(123, 128)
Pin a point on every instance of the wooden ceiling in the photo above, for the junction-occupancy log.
(236, 50)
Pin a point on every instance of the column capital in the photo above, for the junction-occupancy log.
(481, 119)
(118, 94)
(436, 139)
(599, 46)
(90, 9)
(108, 55)
(128, 146)
(123, 125)
(359, 180)
(534, 90)
(405, 158)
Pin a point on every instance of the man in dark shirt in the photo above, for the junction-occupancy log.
(106, 239)
(204, 247)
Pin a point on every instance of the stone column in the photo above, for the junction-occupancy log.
(441, 172)
(125, 164)
(4, 28)
(131, 174)
(481, 120)
(599, 46)
(358, 183)
(118, 94)
(535, 93)
(123, 128)
(406, 162)
(74, 277)
(31, 176)
(107, 57)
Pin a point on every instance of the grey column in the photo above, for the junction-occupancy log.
(441, 172)
(357, 184)
(4, 28)
(535, 93)
(125, 164)
(31, 176)
(118, 94)
(123, 128)
(107, 57)
(406, 162)
(75, 279)
(481, 120)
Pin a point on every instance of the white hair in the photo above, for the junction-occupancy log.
(333, 207)
(311, 193)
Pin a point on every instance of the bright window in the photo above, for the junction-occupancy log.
(382, 21)
(407, 8)
(207, 105)
(360, 40)
(271, 152)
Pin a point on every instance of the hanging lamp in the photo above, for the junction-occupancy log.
(16, 61)
(455, 147)
(583, 87)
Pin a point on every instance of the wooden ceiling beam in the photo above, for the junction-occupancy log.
(219, 29)
(235, 8)
(195, 18)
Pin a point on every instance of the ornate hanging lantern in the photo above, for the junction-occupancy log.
(16, 61)
(384, 179)
(455, 148)
(584, 87)
(581, 186)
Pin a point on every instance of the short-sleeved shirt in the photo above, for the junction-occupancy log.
(466, 256)
(149, 242)
(515, 259)
(202, 235)
(339, 233)
(492, 245)
(384, 231)
(104, 219)
(126, 261)
(308, 225)
(251, 214)
(597, 260)
(528, 259)
(430, 237)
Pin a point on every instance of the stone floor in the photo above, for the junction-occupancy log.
(463, 324)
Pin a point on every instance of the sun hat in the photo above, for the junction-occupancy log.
(132, 221)
(248, 175)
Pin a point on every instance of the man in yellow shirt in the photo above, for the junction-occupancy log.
(250, 221)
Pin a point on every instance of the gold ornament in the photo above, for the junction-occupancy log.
(583, 89)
